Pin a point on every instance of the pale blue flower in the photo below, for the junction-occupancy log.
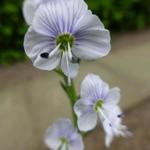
(98, 101)
(63, 136)
(29, 9)
(62, 33)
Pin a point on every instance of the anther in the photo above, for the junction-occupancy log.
(45, 55)
(120, 115)
(110, 124)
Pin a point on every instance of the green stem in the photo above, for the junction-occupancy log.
(70, 91)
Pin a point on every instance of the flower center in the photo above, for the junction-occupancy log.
(64, 140)
(64, 40)
(98, 105)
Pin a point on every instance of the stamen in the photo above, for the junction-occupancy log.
(69, 52)
(55, 50)
(105, 117)
(63, 40)
(75, 60)
(64, 140)
(120, 115)
(51, 53)
(68, 68)
(64, 144)
(98, 105)
(45, 55)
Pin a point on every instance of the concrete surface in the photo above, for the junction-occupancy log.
(30, 100)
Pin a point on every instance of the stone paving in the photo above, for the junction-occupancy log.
(30, 100)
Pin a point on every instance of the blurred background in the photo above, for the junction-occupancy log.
(30, 99)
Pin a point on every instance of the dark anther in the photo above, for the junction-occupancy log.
(120, 116)
(45, 55)
(110, 125)
(75, 60)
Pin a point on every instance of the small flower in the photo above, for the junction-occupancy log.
(63, 136)
(97, 100)
(29, 9)
(62, 33)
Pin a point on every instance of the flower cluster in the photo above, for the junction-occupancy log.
(62, 33)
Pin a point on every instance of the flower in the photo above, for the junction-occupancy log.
(29, 9)
(97, 100)
(62, 135)
(62, 33)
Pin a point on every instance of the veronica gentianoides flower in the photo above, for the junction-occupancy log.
(63, 136)
(98, 101)
(62, 33)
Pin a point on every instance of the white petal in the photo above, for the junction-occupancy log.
(107, 127)
(28, 11)
(93, 86)
(76, 143)
(65, 127)
(64, 147)
(112, 123)
(87, 121)
(70, 69)
(87, 21)
(35, 43)
(76, 9)
(123, 131)
(58, 16)
(52, 139)
(83, 106)
(113, 96)
(44, 21)
(112, 112)
(108, 139)
(48, 64)
(92, 44)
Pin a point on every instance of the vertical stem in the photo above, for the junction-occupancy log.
(70, 91)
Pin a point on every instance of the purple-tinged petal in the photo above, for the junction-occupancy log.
(65, 128)
(87, 121)
(48, 64)
(92, 44)
(113, 96)
(28, 11)
(52, 138)
(112, 113)
(35, 44)
(69, 69)
(108, 140)
(76, 142)
(92, 86)
(83, 106)
(58, 16)
(86, 22)
(45, 20)
(112, 123)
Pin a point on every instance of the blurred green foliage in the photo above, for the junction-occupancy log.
(12, 30)
(122, 15)
(117, 15)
